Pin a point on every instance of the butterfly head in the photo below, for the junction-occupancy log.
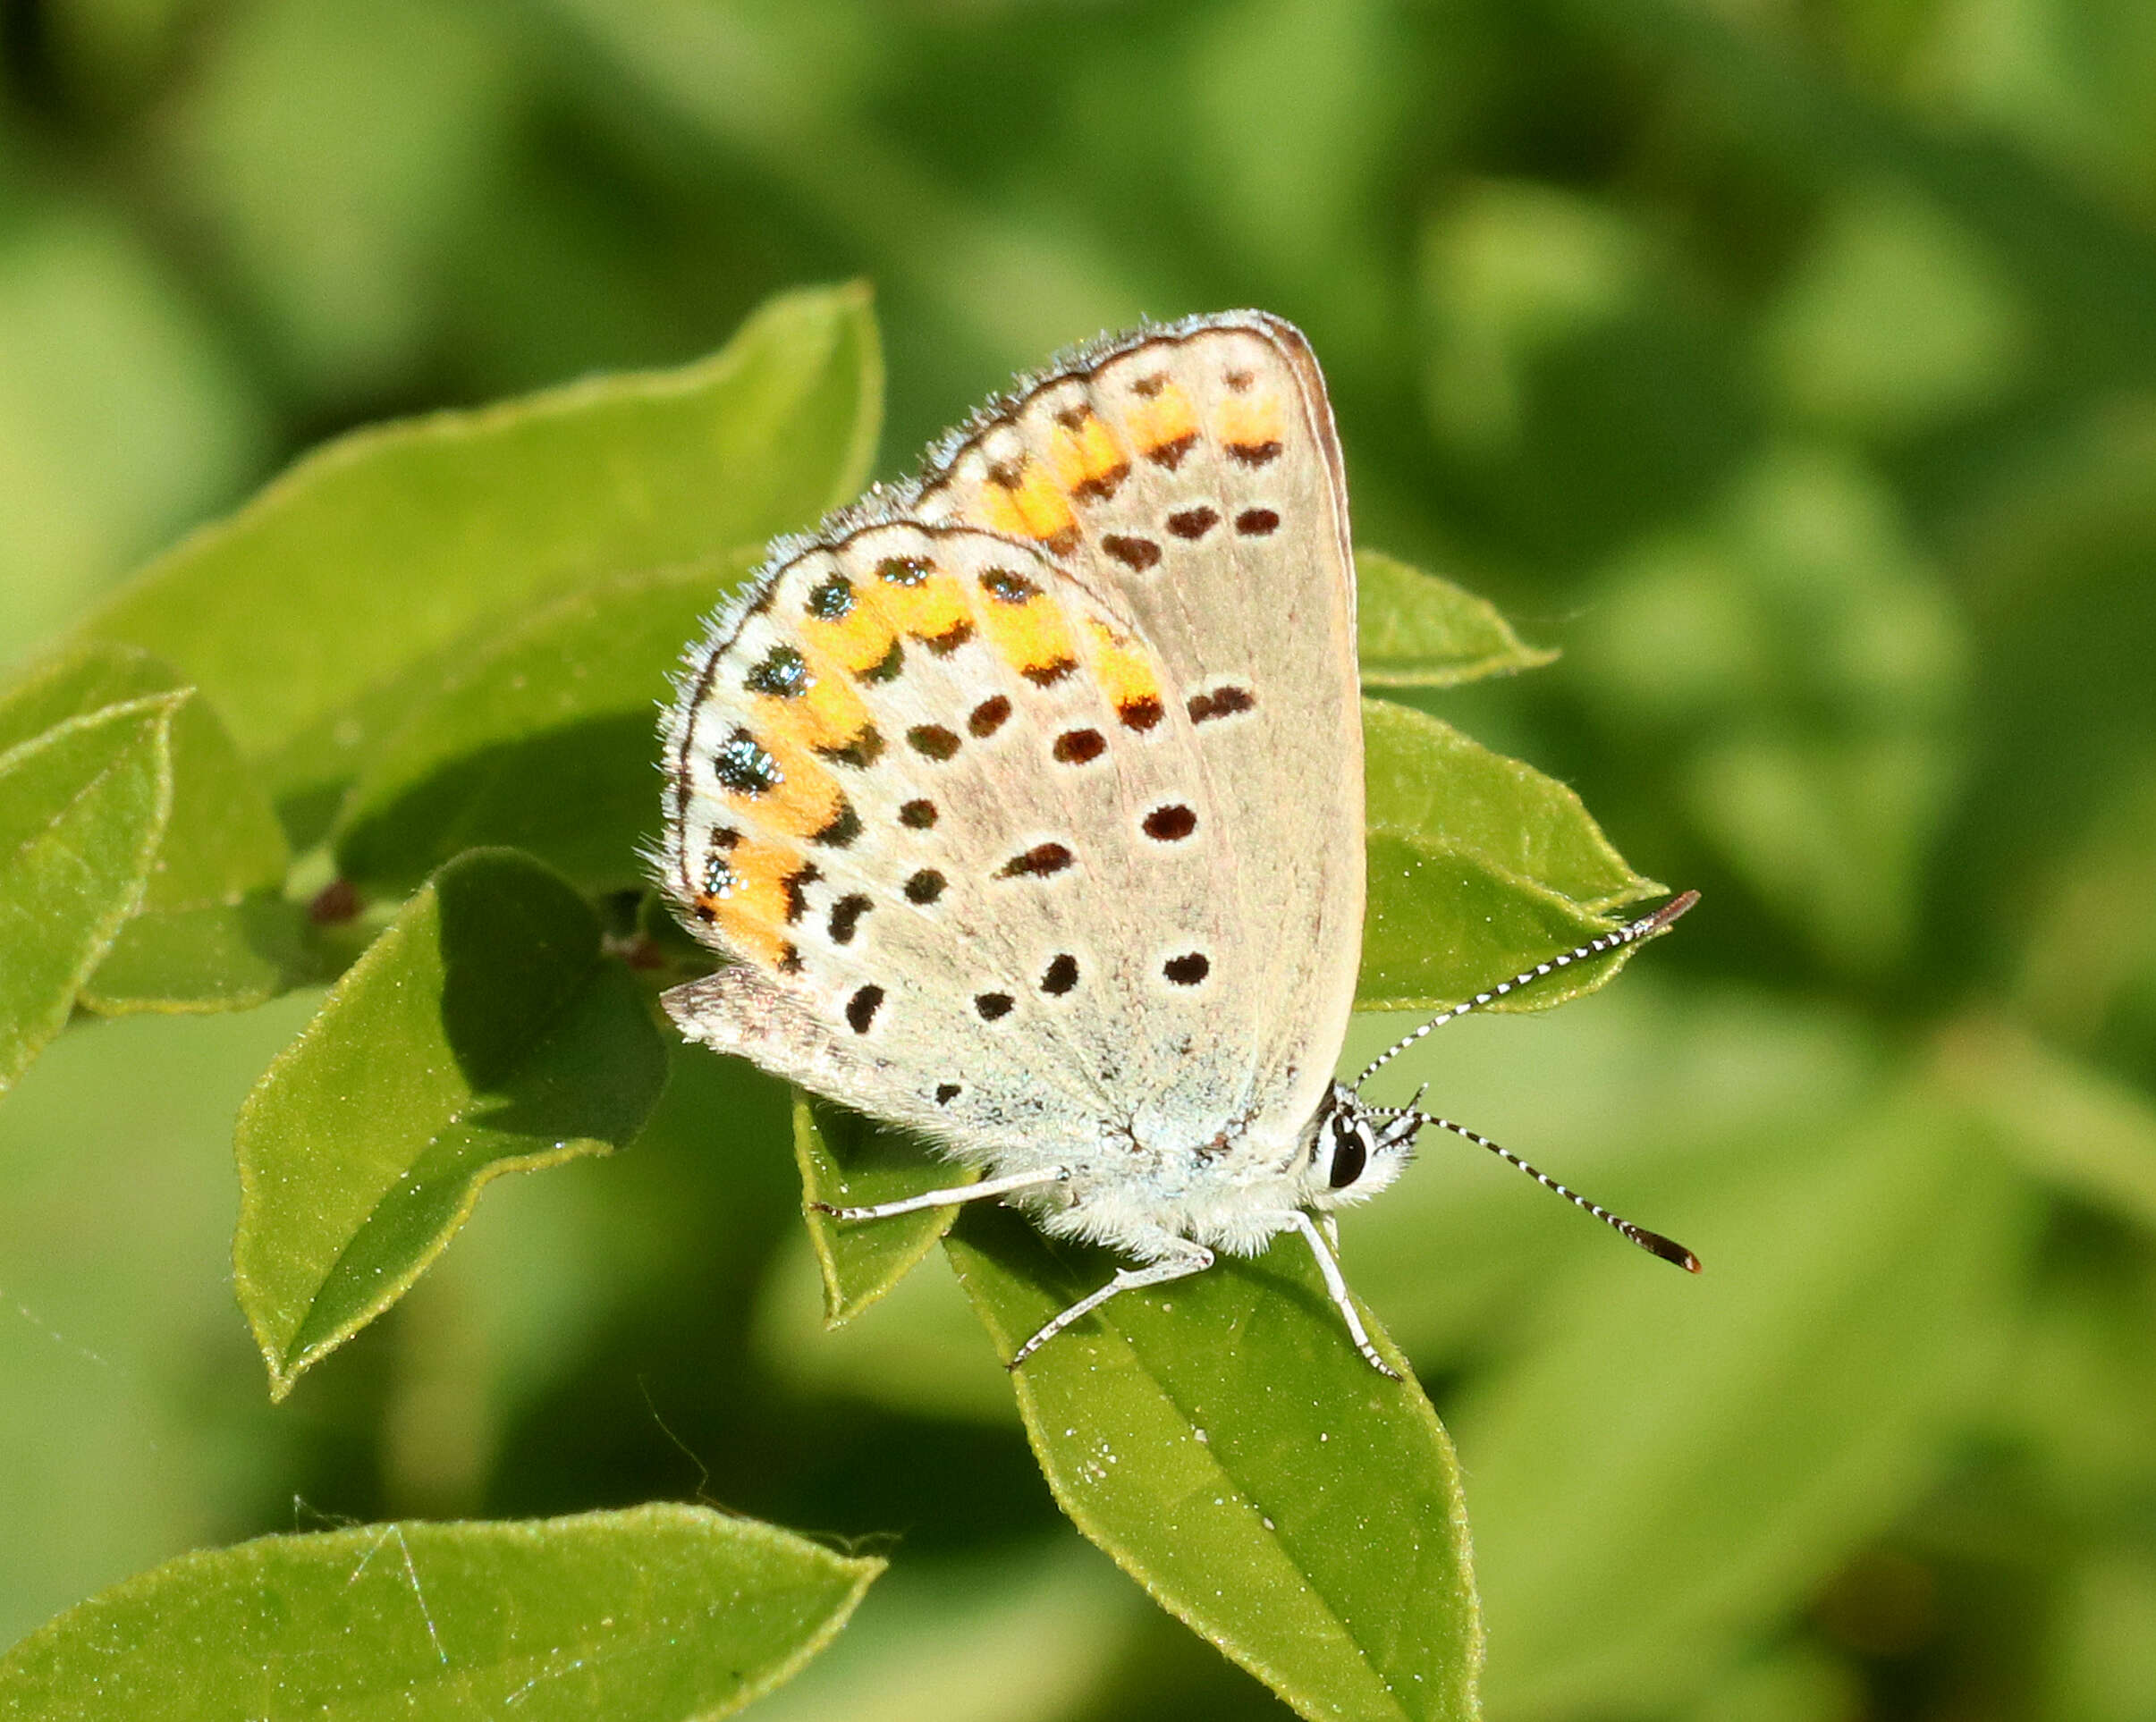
(1356, 1150)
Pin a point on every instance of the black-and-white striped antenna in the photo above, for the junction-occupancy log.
(1654, 1243)
(1646, 927)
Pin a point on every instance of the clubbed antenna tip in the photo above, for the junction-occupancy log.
(1668, 1248)
(1668, 913)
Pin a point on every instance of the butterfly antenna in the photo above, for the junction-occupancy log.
(1646, 927)
(1654, 1243)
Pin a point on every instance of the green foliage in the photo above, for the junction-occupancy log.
(82, 806)
(384, 550)
(559, 1617)
(1786, 368)
(1417, 630)
(1266, 1485)
(540, 737)
(211, 932)
(483, 1033)
(848, 1161)
(1475, 860)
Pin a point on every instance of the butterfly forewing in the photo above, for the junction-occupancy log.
(1008, 793)
(1195, 474)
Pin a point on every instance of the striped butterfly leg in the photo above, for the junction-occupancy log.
(981, 1191)
(1323, 1244)
(1183, 1258)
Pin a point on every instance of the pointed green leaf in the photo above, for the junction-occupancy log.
(212, 933)
(851, 1161)
(655, 1614)
(1224, 1440)
(1417, 631)
(1443, 923)
(223, 840)
(387, 546)
(543, 739)
(1478, 866)
(484, 1032)
(1426, 779)
(82, 806)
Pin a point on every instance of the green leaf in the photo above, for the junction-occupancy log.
(1223, 1439)
(83, 808)
(657, 1613)
(388, 546)
(1477, 864)
(1417, 631)
(1442, 924)
(213, 934)
(1425, 778)
(484, 1032)
(851, 1161)
(543, 737)
(223, 840)
(212, 956)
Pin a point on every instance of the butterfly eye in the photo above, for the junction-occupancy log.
(1349, 1156)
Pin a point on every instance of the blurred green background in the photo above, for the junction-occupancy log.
(1791, 364)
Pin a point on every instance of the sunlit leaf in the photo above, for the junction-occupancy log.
(1417, 631)
(850, 1161)
(1478, 866)
(543, 739)
(484, 1032)
(655, 1614)
(82, 806)
(383, 549)
(1224, 1442)
(212, 933)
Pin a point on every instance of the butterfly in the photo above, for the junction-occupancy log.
(1025, 801)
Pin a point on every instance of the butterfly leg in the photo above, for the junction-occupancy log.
(1187, 1259)
(982, 1192)
(1338, 1287)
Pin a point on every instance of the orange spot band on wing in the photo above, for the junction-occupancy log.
(1247, 421)
(752, 908)
(1034, 507)
(1086, 458)
(804, 800)
(1120, 666)
(929, 609)
(855, 642)
(1031, 635)
(1163, 420)
(826, 713)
